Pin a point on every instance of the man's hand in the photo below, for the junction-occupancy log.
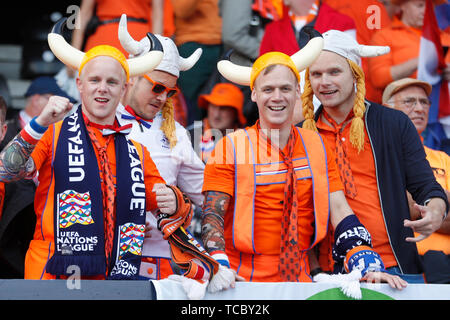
(394, 282)
(430, 222)
(54, 111)
(166, 199)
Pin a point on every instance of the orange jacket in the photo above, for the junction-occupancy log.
(42, 246)
(255, 179)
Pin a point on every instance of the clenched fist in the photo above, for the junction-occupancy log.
(166, 199)
(54, 111)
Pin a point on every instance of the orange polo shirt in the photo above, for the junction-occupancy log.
(220, 176)
(366, 204)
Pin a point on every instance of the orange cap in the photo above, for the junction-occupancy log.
(225, 95)
(271, 58)
(105, 50)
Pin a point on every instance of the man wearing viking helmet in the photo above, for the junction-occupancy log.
(272, 189)
(378, 152)
(147, 105)
(95, 184)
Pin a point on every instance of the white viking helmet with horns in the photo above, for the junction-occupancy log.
(73, 57)
(346, 46)
(171, 63)
(302, 59)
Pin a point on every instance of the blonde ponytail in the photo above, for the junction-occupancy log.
(359, 107)
(307, 104)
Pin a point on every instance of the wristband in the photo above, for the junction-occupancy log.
(33, 132)
(364, 259)
(37, 127)
(221, 257)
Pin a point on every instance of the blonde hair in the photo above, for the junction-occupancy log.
(357, 125)
(168, 123)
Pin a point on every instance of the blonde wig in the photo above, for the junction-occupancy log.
(168, 123)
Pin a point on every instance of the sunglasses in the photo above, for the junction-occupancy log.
(159, 88)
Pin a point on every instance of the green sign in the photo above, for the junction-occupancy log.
(336, 294)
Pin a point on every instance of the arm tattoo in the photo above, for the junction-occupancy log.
(15, 160)
(214, 208)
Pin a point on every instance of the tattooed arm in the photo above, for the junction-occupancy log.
(214, 207)
(15, 160)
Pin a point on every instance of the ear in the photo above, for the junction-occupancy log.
(79, 84)
(253, 95)
(298, 90)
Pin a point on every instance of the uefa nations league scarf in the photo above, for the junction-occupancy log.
(78, 206)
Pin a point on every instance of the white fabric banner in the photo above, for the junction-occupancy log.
(172, 290)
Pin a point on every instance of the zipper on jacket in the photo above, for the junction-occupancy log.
(378, 188)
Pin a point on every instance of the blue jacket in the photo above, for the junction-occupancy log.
(400, 164)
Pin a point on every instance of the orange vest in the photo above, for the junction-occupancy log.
(41, 250)
(261, 166)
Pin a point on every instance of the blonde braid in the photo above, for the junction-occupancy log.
(168, 124)
(357, 126)
(307, 104)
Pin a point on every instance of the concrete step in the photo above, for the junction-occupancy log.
(17, 89)
(10, 60)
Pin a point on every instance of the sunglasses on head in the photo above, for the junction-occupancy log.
(159, 88)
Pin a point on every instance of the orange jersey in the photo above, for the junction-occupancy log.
(42, 246)
(366, 204)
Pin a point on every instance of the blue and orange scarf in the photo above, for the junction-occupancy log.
(78, 206)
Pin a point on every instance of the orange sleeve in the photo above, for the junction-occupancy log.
(380, 67)
(333, 173)
(151, 176)
(219, 170)
(42, 151)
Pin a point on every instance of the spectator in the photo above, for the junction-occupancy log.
(403, 37)
(391, 9)
(77, 203)
(251, 170)
(17, 218)
(242, 32)
(148, 106)
(197, 24)
(37, 95)
(224, 112)
(285, 34)
(98, 21)
(379, 153)
(411, 96)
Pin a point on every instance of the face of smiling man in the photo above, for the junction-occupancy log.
(332, 81)
(275, 91)
(102, 84)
